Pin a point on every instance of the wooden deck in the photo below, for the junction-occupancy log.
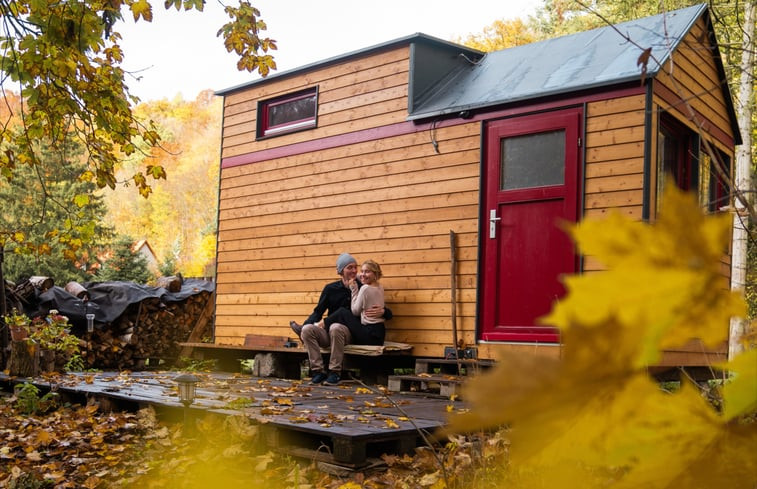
(347, 424)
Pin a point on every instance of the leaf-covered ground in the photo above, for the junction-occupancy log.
(81, 446)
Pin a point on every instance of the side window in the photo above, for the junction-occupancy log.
(715, 180)
(288, 113)
(681, 161)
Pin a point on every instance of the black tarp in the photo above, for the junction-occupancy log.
(108, 300)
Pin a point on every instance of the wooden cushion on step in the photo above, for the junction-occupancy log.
(375, 350)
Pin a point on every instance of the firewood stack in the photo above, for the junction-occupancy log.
(146, 333)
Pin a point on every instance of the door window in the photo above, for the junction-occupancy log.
(533, 160)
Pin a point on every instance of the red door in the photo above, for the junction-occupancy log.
(532, 186)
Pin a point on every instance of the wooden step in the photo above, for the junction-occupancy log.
(450, 366)
(445, 385)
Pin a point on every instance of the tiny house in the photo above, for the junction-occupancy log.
(383, 152)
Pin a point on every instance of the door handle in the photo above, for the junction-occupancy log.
(493, 223)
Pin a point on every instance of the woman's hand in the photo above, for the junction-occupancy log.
(375, 312)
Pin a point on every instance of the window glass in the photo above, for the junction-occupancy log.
(714, 176)
(533, 160)
(289, 113)
(681, 161)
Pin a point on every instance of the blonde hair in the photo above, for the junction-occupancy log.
(374, 267)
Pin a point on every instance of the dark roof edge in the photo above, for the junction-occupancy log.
(737, 140)
(701, 10)
(417, 117)
(704, 12)
(417, 37)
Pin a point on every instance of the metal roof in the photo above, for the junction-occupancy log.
(589, 59)
(597, 58)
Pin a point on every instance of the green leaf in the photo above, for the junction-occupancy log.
(156, 171)
(81, 200)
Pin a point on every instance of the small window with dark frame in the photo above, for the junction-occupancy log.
(714, 183)
(682, 161)
(288, 113)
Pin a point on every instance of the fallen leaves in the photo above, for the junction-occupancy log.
(77, 445)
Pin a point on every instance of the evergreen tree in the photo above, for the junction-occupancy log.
(54, 232)
(125, 265)
(168, 267)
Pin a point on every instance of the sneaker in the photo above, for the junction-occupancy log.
(319, 377)
(297, 328)
(333, 379)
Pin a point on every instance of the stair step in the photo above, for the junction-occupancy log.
(449, 366)
(445, 385)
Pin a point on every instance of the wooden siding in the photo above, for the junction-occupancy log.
(359, 94)
(285, 215)
(614, 175)
(692, 89)
(284, 220)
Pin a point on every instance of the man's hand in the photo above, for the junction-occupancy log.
(375, 312)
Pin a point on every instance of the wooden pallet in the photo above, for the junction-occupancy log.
(346, 425)
(344, 449)
(444, 385)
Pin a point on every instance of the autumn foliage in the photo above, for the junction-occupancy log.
(595, 418)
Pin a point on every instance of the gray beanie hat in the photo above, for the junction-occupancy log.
(344, 260)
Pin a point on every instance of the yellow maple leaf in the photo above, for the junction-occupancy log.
(351, 485)
(43, 437)
(593, 416)
(142, 8)
(671, 267)
(740, 394)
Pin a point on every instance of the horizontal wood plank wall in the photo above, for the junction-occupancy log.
(278, 245)
(355, 95)
(283, 221)
(614, 176)
(694, 81)
(692, 86)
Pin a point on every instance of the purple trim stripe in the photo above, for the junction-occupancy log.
(325, 143)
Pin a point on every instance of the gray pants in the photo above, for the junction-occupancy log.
(315, 338)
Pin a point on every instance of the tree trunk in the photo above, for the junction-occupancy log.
(744, 108)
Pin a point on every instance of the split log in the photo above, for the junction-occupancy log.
(76, 289)
(42, 283)
(200, 326)
(171, 284)
(24, 360)
(148, 330)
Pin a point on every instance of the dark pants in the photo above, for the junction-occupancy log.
(362, 334)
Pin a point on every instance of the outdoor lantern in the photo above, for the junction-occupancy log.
(90, 322)
(187, 385)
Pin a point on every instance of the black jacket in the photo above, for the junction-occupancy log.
(334, 296)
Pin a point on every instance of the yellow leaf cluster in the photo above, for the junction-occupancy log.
(594, 417)
(670, 271)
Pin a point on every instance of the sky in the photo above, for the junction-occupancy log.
(179, 53)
